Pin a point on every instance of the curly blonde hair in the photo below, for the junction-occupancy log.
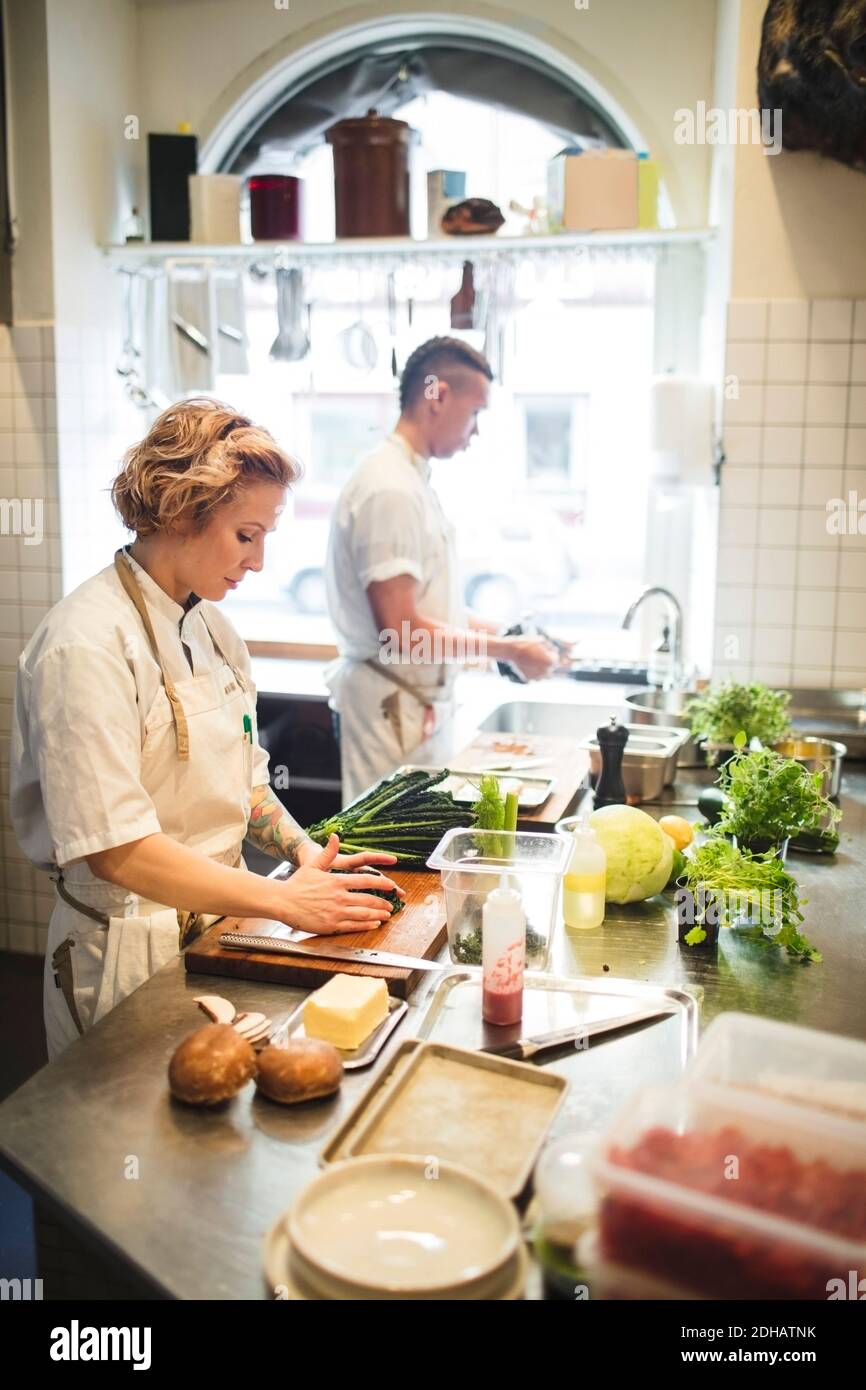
(197, 455)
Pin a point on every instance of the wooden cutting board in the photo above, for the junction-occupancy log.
(568, 766)
(419, 930)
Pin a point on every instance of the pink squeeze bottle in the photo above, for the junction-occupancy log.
(503, 955)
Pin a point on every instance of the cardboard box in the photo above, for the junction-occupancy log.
(593, 190)
(215, 209)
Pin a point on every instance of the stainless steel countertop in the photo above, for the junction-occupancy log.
(210, 1184)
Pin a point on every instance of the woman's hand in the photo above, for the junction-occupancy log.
(316, 900)
(347, 863)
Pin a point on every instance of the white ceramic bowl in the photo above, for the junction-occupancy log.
(399, 1226)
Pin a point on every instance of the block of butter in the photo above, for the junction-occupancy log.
(346, 1010)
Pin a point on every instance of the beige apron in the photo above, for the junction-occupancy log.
(389, 716)
(196, 765)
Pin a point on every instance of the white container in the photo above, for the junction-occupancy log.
(732, 1195)
(503, 954)
(585, 880)
(471, 864)
(799, 1066)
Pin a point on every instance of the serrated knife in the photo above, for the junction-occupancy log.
(523, 1049)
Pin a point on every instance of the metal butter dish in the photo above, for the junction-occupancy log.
(293, 1028)
(486, 1113)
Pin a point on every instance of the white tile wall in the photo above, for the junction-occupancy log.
(30, 581)
(791, 601)
(86, 425)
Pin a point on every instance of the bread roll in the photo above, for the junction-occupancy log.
(211, 1065)
(302, 1070)
(472, 217)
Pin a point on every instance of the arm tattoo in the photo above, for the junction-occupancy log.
(271, 828)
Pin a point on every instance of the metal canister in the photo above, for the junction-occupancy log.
(822, 755)
(371, 175)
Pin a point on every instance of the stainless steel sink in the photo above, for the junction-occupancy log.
(563, 721)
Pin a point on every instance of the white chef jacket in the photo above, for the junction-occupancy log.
(87, 681)
(389, 521)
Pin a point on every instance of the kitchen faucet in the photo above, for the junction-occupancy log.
(677, 653)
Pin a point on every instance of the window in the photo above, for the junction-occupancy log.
(550, 501)
(553, 441)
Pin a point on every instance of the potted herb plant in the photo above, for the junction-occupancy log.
(717, 716)
(769, 798)
(725, 886)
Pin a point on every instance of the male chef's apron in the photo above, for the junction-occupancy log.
(391, 714)
(196, 766)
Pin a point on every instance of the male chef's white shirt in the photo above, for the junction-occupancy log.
(86, 682)
(388, 521)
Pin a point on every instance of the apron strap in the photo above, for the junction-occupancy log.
(130, 584)
(397, 680)
(238, 675)
(61, 964)
(85, 911)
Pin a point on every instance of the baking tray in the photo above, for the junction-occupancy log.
(534, 791)
(293, 1027)
(486, 1113)
(601, 1077)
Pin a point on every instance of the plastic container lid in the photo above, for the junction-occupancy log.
(480, 851)
(734, 1231)
(799, 1066)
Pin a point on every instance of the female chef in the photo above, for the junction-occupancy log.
(136, 768)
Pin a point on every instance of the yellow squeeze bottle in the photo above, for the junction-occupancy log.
(585, 880)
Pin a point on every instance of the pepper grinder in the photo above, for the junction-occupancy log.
(612, 739)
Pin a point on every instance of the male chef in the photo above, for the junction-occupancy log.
(392, 580)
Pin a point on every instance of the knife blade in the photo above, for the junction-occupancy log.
(522, 1049)
(360, 955)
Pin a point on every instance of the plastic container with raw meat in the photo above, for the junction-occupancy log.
(733, 1195)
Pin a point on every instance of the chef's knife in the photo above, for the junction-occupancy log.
(522, 1049)
(361, 955)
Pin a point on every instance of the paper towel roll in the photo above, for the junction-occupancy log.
(682, 417)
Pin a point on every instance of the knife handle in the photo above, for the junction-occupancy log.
(513, 1051)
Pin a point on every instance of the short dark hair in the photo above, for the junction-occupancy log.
(435, 358)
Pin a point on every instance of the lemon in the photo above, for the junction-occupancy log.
(678, 829)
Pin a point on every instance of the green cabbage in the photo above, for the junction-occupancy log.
(639, 853)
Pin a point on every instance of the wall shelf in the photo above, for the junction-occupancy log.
(391, 252)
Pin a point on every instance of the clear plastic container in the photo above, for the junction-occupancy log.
(610, 1281)
(566, 1201)
(583, 887)
(733, 1195)
(799, 1066)
(471, 864)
